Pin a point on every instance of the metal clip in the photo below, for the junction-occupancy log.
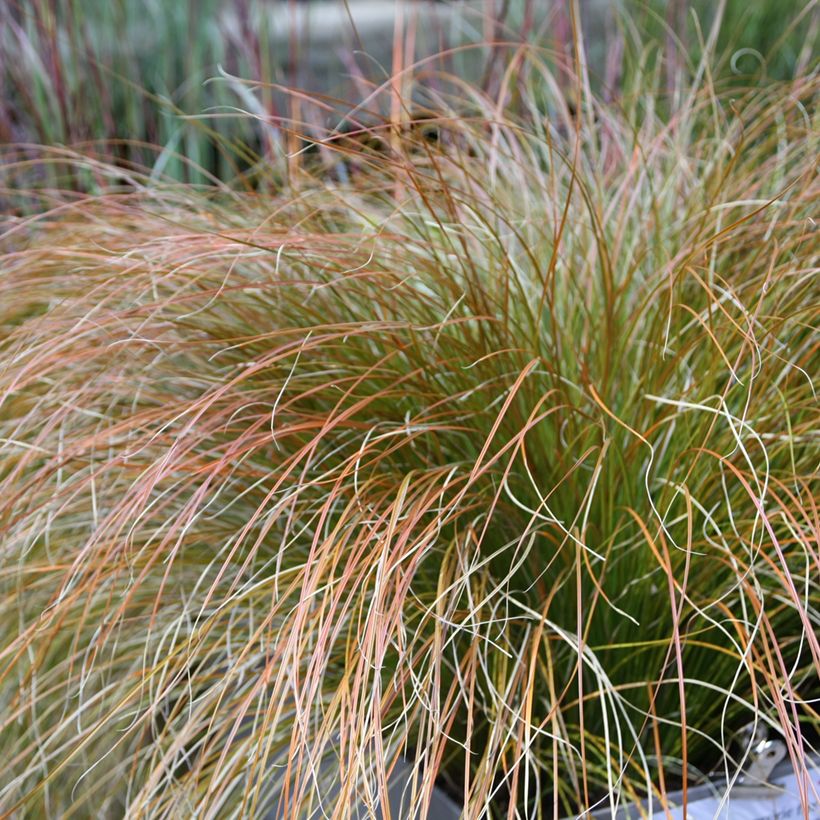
(763, 756)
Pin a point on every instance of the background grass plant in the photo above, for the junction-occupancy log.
(112, 75)
(491, 443)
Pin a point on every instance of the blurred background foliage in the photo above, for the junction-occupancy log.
(168, 84)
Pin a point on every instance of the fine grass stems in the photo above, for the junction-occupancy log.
(490, 441)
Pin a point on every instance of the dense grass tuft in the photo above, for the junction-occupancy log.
(490, 443)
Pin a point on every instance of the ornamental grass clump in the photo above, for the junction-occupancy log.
(490, 445)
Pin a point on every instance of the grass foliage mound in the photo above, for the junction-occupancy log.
(491, 444)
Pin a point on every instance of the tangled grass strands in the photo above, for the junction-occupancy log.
(495, 451)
